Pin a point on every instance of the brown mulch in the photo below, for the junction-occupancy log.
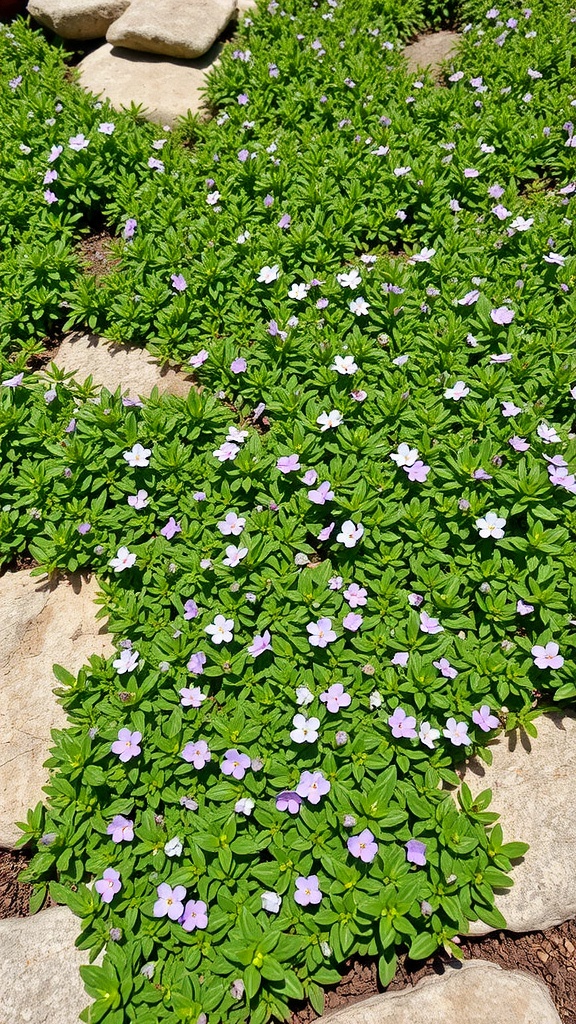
(550, 956)
(50, 347)
(18, 563)
(14, 895)
(96, 252)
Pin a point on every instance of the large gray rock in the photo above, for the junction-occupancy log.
(175, 28)
(476, 992)
(166, 89)
(39, 968)
(44, 622)
(533, 788)
(77, 19)
(111, 366)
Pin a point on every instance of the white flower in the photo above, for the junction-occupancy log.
(401, 171)
(329, 420)
(271, 902)
(243, 237)
(491, 526)
(350, 533)
(351, 279)
(139, 501)
(269, 274)
(359, 306)
(138, 456)
(234, 555)
(173, 848)
(548, 434)
(244, 806)
(124, 560)
(375, 700)
(127, 662)
(404, 455)
(304, 696)
(305, 729)
(298, 290)
(522, 224)
(227, 450)
(344, 365)
(458, 391)
(325, 949)
(213, 197)
(424, 256)
(232, 524)
(457, 733)
(221, 630)
(427, 735)
(235, 435)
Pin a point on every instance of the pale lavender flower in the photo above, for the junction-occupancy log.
(416, 852)
(169, 902)
(363, 846)
(307, 891)
(402, 725)
(484, 719)
(127, 744)
(108, 885)
(235, 764)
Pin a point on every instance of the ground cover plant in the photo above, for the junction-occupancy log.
(347, 561)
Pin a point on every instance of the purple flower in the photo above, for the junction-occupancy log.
(312, 786)
(50, 196)
(548, 656)
(197, 360)
(523, 608)
(196, 663)
(235, 764)
(194, 916)
(171, 529)
(400, 658)
(190, 609)
(127, 744)
(307, 891)
(179, 283)
(352, 621)
(310, 476)
(285, 221)
(169, 902)
(445, 668)
(108, 885)
(484, 719)
(289, 801)
(416, 852)
(260, 644)
(49, 177)
(288, 463)
(129, 228)
(429, 625)
(238, 365)
(363, 846)
(335, 698)
(322, 494)
(197, 753)
(502, 315)
(321, 632)
(242, 99)
(268, 200)
(243, 155)
(417, 472)
(519, 444)
(470, 298)
(14, 382)
(121, 829)
(402, 725)
(84, 528)
(481, 474)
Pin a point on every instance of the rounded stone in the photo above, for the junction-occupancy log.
(533, 791)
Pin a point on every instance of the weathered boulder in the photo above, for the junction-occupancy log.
(166, 89)
(474, 993)
(44, 622)
(111, 366)
(39, 967)
(77, 19)
(532, 783)
(174, 28)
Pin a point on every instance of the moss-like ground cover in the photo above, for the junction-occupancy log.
(346, 561)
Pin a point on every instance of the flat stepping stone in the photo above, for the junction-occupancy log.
(77, 19)
(176, 28)
(39, 967)
(167, 88)
(44, 622)
(111, 366)
(532, 783)
(476, 992)
(430, 50)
